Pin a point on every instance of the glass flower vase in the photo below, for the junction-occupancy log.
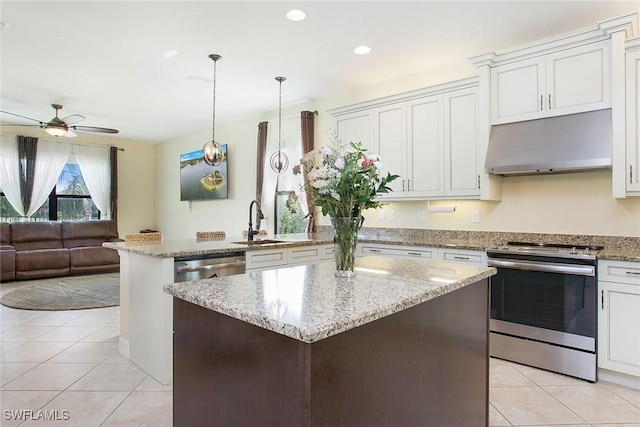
(345, 239)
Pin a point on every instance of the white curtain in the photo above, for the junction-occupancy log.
(10, 172)
(95, 166)
(50, 160)
(292, 147)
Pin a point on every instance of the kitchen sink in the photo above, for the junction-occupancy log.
(260, 242)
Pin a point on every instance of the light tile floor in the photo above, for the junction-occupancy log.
(66, 364)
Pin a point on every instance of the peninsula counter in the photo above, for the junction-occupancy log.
(403, 343)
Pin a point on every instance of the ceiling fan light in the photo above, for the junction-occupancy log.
(55, 130)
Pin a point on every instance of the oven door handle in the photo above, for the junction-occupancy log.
(548, 267)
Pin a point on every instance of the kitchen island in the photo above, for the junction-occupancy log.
(403, 343)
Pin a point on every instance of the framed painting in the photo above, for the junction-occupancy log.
(200, 181)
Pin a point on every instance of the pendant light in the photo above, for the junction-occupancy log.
(279, 161)
(212, 150)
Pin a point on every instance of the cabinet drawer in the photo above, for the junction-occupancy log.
(307, 253)
(327, 251)
(619, 271)
(266, 258)
(461, 256)
(403, 251)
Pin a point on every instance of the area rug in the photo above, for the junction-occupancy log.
(66, 293)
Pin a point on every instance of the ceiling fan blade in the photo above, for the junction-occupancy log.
(22, 126)
(94, 129)
(24, 117)
(73, 118)
(70, 134)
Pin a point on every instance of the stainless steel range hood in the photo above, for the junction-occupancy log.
(568, 143)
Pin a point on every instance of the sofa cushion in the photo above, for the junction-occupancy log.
(36, 235)
(7, 264)
(96, 255)
(33, 264)
(5, 233)
(88, 233)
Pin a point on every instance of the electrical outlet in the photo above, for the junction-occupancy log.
(392, 215)
(381, 215)
(421, 216)
(475, 216)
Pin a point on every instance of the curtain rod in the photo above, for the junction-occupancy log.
(74, 143)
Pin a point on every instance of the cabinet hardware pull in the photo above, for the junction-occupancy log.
(408, 185)
(478, 181)
(374, 250)
(549, 101)
(541, 100)
(635, 273)
(403, 185)
(630, 174)
(466, 258)
(414, 253)
(602, 299)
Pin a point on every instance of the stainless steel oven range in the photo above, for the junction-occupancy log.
(544, 306)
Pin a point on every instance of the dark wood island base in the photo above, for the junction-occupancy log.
(427, 365)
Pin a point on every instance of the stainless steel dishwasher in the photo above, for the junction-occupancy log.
(207, 266)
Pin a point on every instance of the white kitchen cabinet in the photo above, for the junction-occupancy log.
(266, 259)
(430, 137)
(390, 142)
(356, 127)
(632, 170)
(365, 249)
(619, 317)
(462, 256)
(432, 143)
(568, 81)
(461, 134)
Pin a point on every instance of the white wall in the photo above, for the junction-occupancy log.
(575, 203)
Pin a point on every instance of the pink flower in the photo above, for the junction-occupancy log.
(340, 164)
(326, 151)
(366, 161)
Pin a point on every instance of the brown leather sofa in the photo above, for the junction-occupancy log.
(50, 249)
(7, 254)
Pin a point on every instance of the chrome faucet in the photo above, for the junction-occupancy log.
(259, 216)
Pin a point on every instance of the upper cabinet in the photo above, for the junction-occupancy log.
(431, 138)
(565, 82)
(632, 164)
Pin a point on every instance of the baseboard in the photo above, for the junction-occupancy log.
(123, 348)
(619, 378)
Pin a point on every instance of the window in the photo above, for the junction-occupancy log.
(68, 201)
(288, 212)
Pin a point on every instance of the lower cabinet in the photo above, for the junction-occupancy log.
(619, 317)
(266, 259)
(460, 256)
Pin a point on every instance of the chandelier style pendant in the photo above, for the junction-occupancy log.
(212, 150)
(279, 161)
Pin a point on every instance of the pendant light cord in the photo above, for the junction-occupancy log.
(213, 115)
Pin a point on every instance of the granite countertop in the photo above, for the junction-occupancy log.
(617, 248)
(308, 303)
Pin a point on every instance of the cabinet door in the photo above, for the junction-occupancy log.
(517, 90)
(632, 170)
(578, 79)
(619, 328)
(425, 146)
(356, 127)
(461, 143)
(390, 138)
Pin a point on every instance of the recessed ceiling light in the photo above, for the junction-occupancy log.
(362, 50)
(296, 15)
(170, 53)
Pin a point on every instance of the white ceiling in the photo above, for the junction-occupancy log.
(104, 59)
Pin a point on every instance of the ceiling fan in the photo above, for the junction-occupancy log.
(63, 127)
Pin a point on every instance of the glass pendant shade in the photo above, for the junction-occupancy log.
(55, 130)
(212, 150)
